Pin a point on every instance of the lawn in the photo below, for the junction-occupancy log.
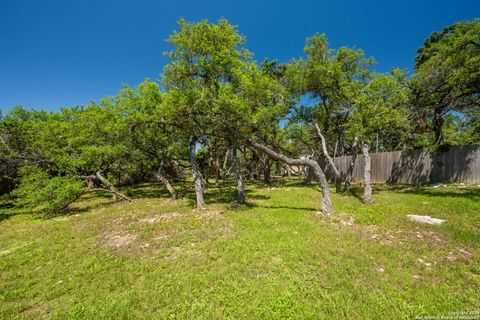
(275, 258)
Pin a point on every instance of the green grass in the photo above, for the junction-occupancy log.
(275, 258)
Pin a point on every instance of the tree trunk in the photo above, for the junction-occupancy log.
(310, 175)
(111, 188)
(340, 142)
(197, 176)
(265, 169)
(205, 177)
(108, 184)
(348, 178)
(252, 166)
(238, 176)
(90, 184)
(225, 172)
(267, 172)
(338, 176)
(216, 165)
(169, 187)
(338, 184)
(437, 128)
(326, 202)
(289, 172)
(367, 188)
(166, 183)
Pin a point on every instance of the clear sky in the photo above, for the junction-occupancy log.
(63, 53)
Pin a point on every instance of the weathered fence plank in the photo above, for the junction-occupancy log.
(458, 164)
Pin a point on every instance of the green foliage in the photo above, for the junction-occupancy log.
(380, 108)
(447, 78)
(38, 189)
(206, 60)
(351, 100)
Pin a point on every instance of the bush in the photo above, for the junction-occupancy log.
(38, 189)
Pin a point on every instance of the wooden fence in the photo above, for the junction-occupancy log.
(458, 164)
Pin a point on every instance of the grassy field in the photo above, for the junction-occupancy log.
(275, 258)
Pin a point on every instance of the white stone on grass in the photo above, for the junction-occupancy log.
(425, 219)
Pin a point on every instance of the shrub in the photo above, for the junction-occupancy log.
(38, 189)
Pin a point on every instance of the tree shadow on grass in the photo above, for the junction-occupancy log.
(40, 214)
(7, 206)
(150, 190)
(357, 191)
(70, 211)
(102, 199)
(275, 182)
(4, 216)
(287, 207)
(226, 195)
(472, 195)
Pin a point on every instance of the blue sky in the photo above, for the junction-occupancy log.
(65, 53)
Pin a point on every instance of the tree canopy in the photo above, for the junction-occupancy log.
(216, 112)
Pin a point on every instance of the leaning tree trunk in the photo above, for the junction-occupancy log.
(348, 178)
(225, 172)
(338, 175)
(159, 176)
(197, 176)
(110, 187)
(317, 170)
(367, 188)
(238, 176)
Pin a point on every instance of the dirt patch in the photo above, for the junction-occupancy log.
(224, 231)
(392, 237)
(401, 237)
(208, 214)
(181, 252)
(162, 217)
(117, 234)
(121, 240)
(118, 228)
(168, 234)
(339, 219)
(458, 254)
